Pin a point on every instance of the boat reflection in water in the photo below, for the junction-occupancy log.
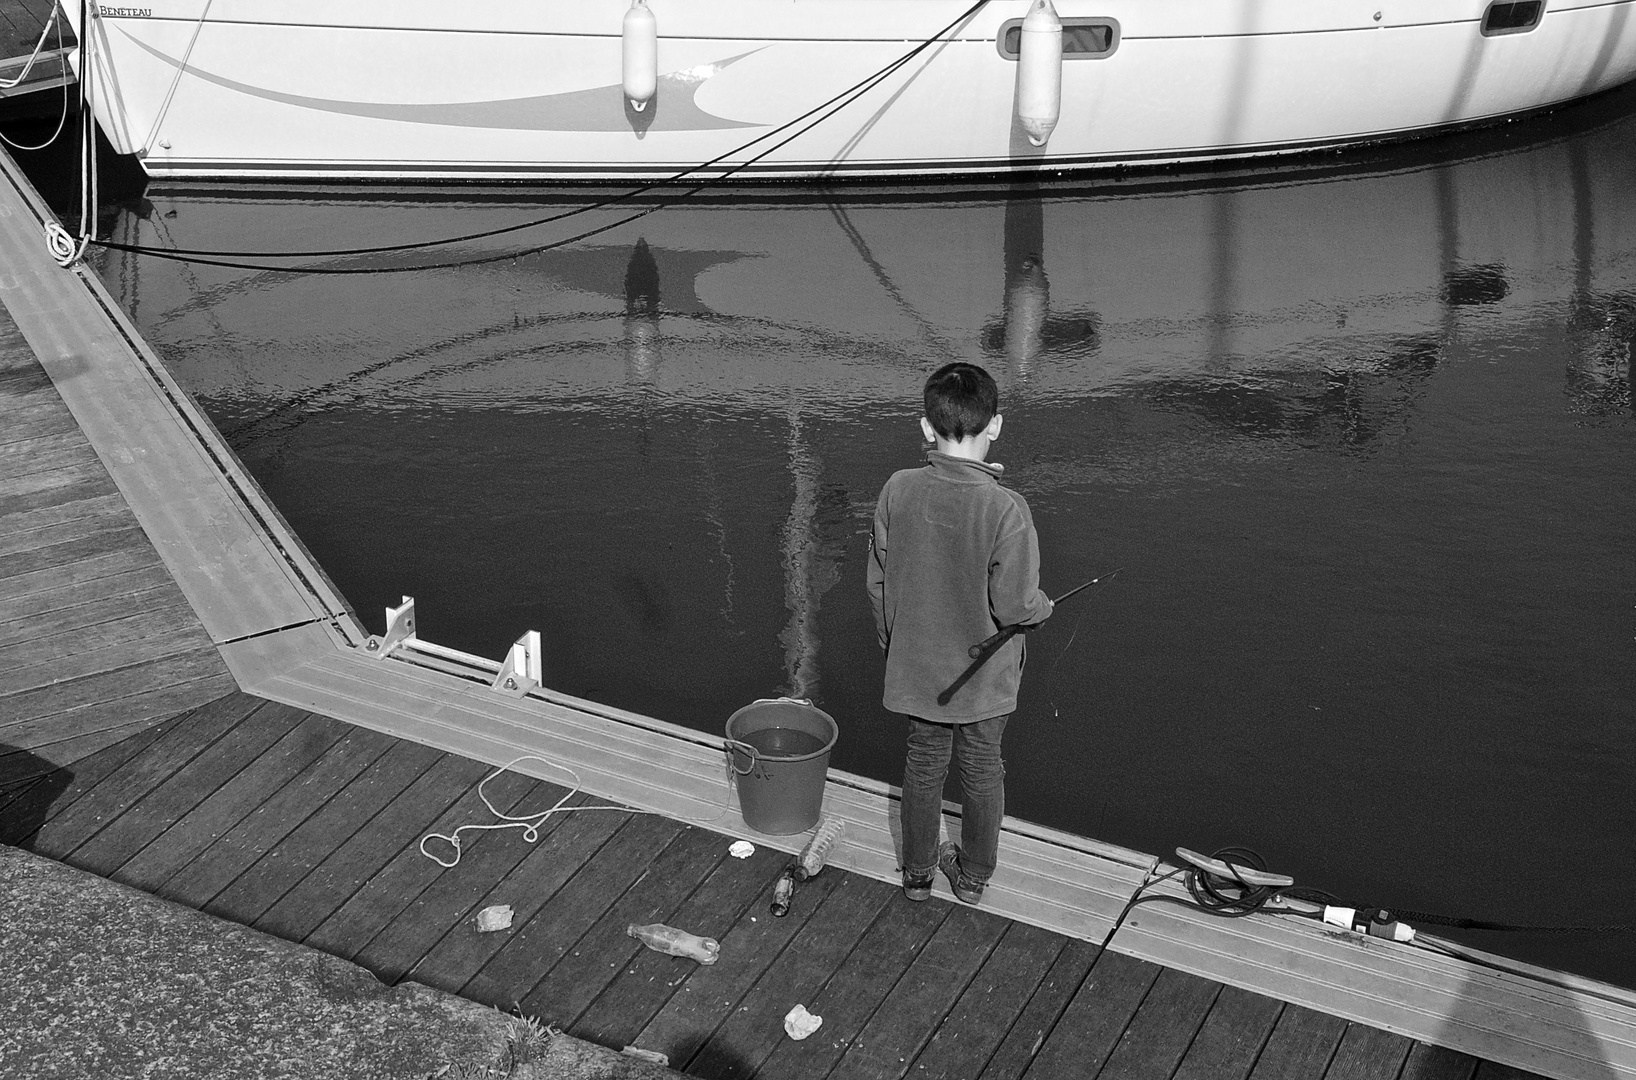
(1361, 438)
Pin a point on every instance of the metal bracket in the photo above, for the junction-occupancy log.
(400, 627)
(520, 672)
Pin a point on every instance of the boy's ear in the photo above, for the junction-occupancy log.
(993, 430)
(927, 430)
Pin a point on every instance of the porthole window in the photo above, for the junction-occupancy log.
(1082, 39)
(1517, 17)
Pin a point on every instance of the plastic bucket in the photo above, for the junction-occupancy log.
(779, 752)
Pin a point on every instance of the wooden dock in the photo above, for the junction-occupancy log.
(187, 706)
(309, 828)
(96, 640)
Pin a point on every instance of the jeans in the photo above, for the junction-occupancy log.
(982, 794)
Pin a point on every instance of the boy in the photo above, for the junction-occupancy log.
(953, 558)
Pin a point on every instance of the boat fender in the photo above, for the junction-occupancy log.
(1039, 72)
(641, 54)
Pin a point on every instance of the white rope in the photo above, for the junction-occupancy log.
(10, 84)
(529, 823)
(62, 245)
(62, 114)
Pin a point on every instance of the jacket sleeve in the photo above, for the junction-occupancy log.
(875, 571)
(1014, 594)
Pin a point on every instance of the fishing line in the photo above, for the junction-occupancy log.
(207, 257)
(1051, 675)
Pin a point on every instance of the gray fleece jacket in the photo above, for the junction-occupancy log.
(953, 558)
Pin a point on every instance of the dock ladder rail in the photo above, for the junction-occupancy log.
(514, 677)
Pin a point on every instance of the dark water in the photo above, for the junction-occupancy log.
(783, 742)
(1359, 434)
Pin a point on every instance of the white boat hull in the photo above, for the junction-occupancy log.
(413, 90)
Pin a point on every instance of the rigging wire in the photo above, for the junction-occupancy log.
(834, 105)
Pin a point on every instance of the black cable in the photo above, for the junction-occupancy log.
(207, 257)
(1234, 898)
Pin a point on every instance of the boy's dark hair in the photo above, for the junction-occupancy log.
(961, 399)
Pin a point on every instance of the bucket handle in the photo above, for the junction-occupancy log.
(730, 745)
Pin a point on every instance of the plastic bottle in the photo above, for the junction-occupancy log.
(818, 848)
(668, 939)
(782, 892)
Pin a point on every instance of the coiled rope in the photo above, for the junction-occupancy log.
(530, 824)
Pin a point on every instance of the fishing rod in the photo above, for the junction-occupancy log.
(1003, 635)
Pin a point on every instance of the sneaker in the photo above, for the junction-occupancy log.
(966, 890)
(917, 887)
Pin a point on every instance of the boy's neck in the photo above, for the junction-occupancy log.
(974, 448)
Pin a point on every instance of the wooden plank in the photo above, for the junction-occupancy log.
(394, 887)
(27, 811)
(200, 881)
(92, 623)
(28, 382)
(1300, 1046)
(142, 640)
(40, 732)
(87, 570)
(1368, 1053)
(283, 866)
(1565, 1031)
(176, 745)
(67, 484)
(753, 1029)
(454, 895)
(730, 894)
(72, 551)
(15, 355)
(36, 423)
(1232, 1037)
(1493, 1070)
(708, 995)
(575, 837)
(112, 588)
(145, 820)
(859, 986)
(1045, 1006)
(567, 989)
(904, 1021)
(69, 751)
(299, 912)
(16, 539)
(44, 453)
(1163, 1028)
(538, 945)
(301, 740)
(976, 1025)
(108, 504)
(1428, 1062)
(103, 688)
(1090, 1026)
